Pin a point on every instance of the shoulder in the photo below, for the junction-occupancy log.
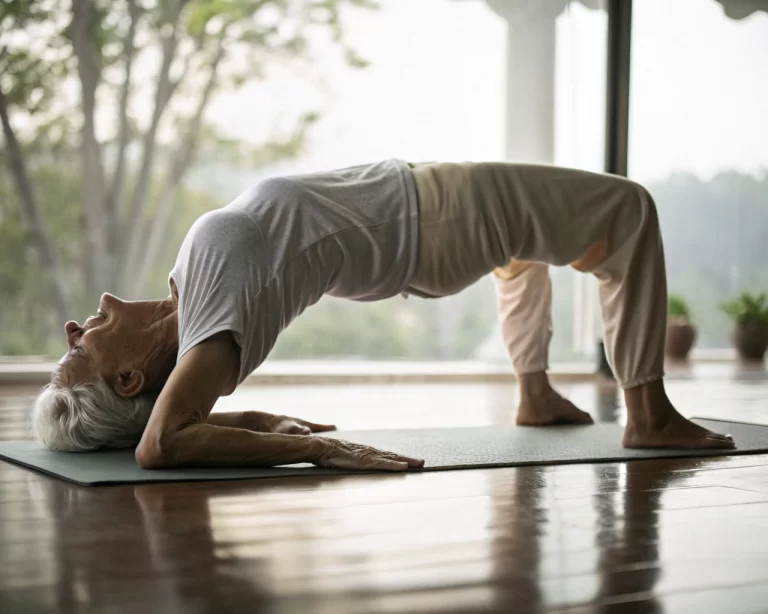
(219, 244)
(208, 371)
(220, 224)
(217, 360)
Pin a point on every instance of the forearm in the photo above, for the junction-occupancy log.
(210, 445)
(250, 420)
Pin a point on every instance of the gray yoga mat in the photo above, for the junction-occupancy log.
(442, 449)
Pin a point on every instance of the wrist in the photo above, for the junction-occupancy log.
(260, 421)
(318, 447)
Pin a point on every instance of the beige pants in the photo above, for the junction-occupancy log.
(515, 220)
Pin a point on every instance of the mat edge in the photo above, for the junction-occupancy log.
(322, 472)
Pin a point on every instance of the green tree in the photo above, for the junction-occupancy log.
(130, 174)
(337, 328)
(714, 242)
(26, 319)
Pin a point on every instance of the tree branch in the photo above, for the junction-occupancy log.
(179, 167)
(32, 216)
(163, 93)
(199, 40)
(116, 192)
(94, 184)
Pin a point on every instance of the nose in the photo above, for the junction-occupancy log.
(72, 329)
(109, 302)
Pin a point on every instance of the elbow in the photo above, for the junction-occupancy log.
(149, 459)
(156, 451)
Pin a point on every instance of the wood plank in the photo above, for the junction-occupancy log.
(673, 535)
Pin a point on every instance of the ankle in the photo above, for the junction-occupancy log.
(534, 385)
(649, 405)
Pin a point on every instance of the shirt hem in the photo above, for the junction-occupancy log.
(198, 339)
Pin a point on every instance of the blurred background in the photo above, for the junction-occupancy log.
(123, 121)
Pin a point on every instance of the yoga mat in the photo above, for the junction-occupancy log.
(442, 449)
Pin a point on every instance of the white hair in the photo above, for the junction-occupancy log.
(89, 416)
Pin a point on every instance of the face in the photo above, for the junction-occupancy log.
(116, 343)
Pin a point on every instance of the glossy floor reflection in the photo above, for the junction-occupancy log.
(685, 535)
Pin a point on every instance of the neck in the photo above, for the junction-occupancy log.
(165, 336)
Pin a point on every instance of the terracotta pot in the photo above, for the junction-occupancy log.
(750, 340)
(680, 339)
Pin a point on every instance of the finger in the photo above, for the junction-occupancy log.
(367, 462)
(409, 463)
(412, 462)
(389, 465)
(289, 427)
(317, 428)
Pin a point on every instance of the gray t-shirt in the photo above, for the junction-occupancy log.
(253, 266)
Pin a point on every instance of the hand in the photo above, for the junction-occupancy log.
(340, 454)
(295, 426)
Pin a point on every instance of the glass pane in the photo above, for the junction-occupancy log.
(446, 80)
(458, 85)
(698, 134)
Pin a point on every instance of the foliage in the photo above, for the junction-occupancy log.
(107, 203)
(714, 242)
(747, 309)
(103, 108)
(416, 329)
(678, 307)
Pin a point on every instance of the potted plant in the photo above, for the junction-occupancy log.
(750, 315)
(681, 334)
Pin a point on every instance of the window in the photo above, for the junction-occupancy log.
(697, 139)
(445, 80)
(463, 82)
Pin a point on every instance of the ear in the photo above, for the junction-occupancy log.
(129, 383)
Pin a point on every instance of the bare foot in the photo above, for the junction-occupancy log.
(541, 405)
(653, 422)
(678, 432)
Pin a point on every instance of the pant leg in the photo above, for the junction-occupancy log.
(477, 217)
(524, 308)
(633, 300)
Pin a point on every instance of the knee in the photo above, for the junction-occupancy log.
(645, 206)
(592, 258)
(515, 268)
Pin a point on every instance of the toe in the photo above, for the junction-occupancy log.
(720, 441)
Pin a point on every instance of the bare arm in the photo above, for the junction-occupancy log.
(249, 420)
(208, 445)
(179, 433)
(264, 422)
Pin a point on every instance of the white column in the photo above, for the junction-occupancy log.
(530, 105)
(530, 119)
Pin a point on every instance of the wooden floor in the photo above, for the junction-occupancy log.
(686, 536)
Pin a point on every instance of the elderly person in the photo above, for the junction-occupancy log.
(149, 372)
